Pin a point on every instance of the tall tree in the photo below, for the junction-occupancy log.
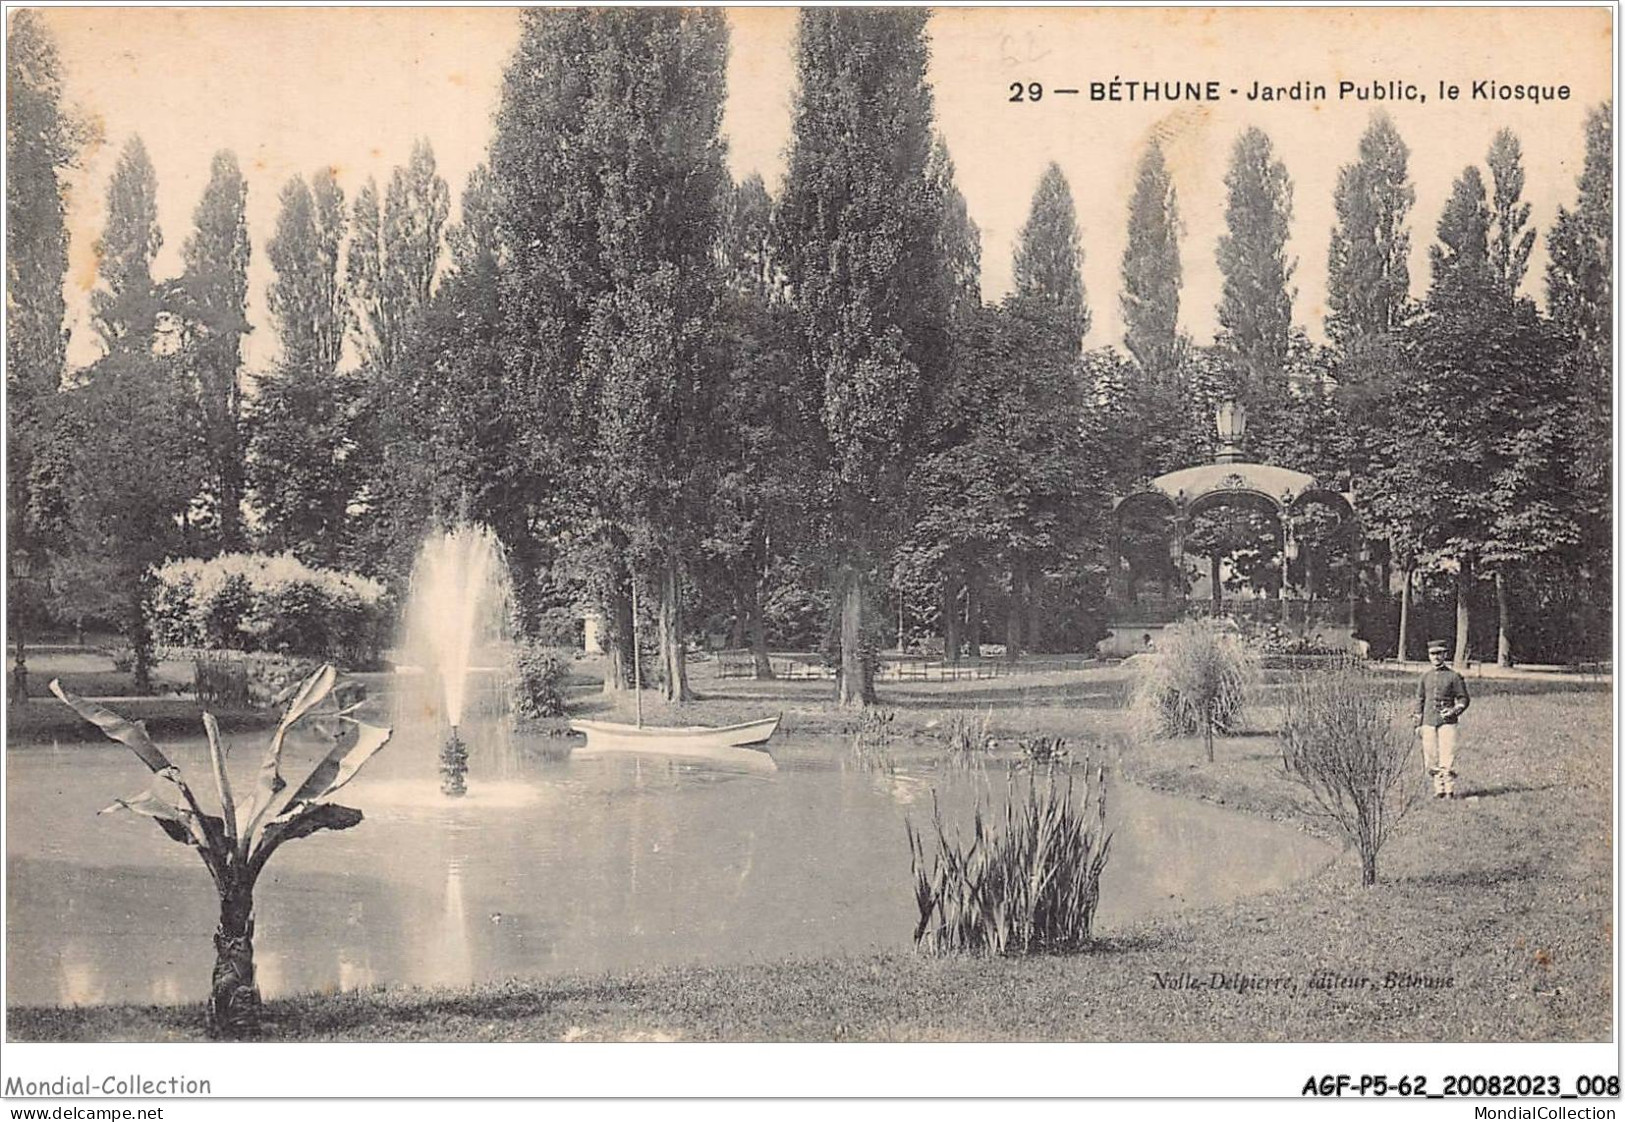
(1510, 243)
(1151, 268)
(545, 174)
(211, 305)
(859, 235)
(1461, 257)
(42, 142)
(394, 252)
(134, 469)
(1368, 275)
(448, 405)
(125, 307)
(655, 120)
(1579, 295)
(1255, 310)
(306, 300)
(759, 450)
(1049, 256)
(390, 267)
(1470, 447)
(300, 465)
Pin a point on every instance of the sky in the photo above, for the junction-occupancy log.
(294, 89)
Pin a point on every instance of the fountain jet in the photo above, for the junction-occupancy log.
(458, 603)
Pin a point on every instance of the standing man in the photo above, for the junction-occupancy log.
(1441, 699)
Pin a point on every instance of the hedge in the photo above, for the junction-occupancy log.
(270, 603)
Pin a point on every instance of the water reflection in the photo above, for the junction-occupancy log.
(564, 865)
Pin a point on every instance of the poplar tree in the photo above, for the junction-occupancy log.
(211, 305)
(390, 266)
(1368, 275)
(655, 120)
(1049, 257)
(1471, 438)
(1255, 310)
(124, 306)
(300, 467)
(859, 236)
(1510, 243)
(1151, 268)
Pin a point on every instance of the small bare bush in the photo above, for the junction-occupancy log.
(1349, 747)
(1198, 681)
(1027, 880)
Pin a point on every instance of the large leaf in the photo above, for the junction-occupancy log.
(310, 694)
(222, 782)
(341, 764)
(176, 822)
(301, 824)
(132, 734)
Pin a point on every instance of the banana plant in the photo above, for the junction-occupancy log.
(236, 843)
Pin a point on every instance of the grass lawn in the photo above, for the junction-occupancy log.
(1491, 921)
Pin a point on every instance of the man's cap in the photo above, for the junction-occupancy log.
(1437, 645)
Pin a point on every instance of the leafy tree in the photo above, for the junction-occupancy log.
(392, 259)
(1461, 259)
(859, 233)
(448, 404)
(1472, 440)
(960, 238)
(209, 305)
(300, 465)
(390, 268)
(134, 469)
(1368, 281)
(1255, 311)
(759, 454)
(653, 119)
(1151, 268)
(306, 300)
(42, 142)
(1049, 256)
(124, 308)
(547, 188)
(1510, 243)
(1579, 296)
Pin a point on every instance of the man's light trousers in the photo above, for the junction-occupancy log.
(1439, 753)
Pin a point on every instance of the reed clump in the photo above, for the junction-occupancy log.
(1197, 682)
(1028, 878)
(872, 738)
(969, 739)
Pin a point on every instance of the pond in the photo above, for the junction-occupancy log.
(549, 865)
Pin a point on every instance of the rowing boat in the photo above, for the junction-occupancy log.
(732, 742)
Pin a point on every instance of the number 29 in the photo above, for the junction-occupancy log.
(1029, 91)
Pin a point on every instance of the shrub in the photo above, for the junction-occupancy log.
(1027, 881)
(254, 602)
(1346, 743)
(539, 682)
(1197, 681)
